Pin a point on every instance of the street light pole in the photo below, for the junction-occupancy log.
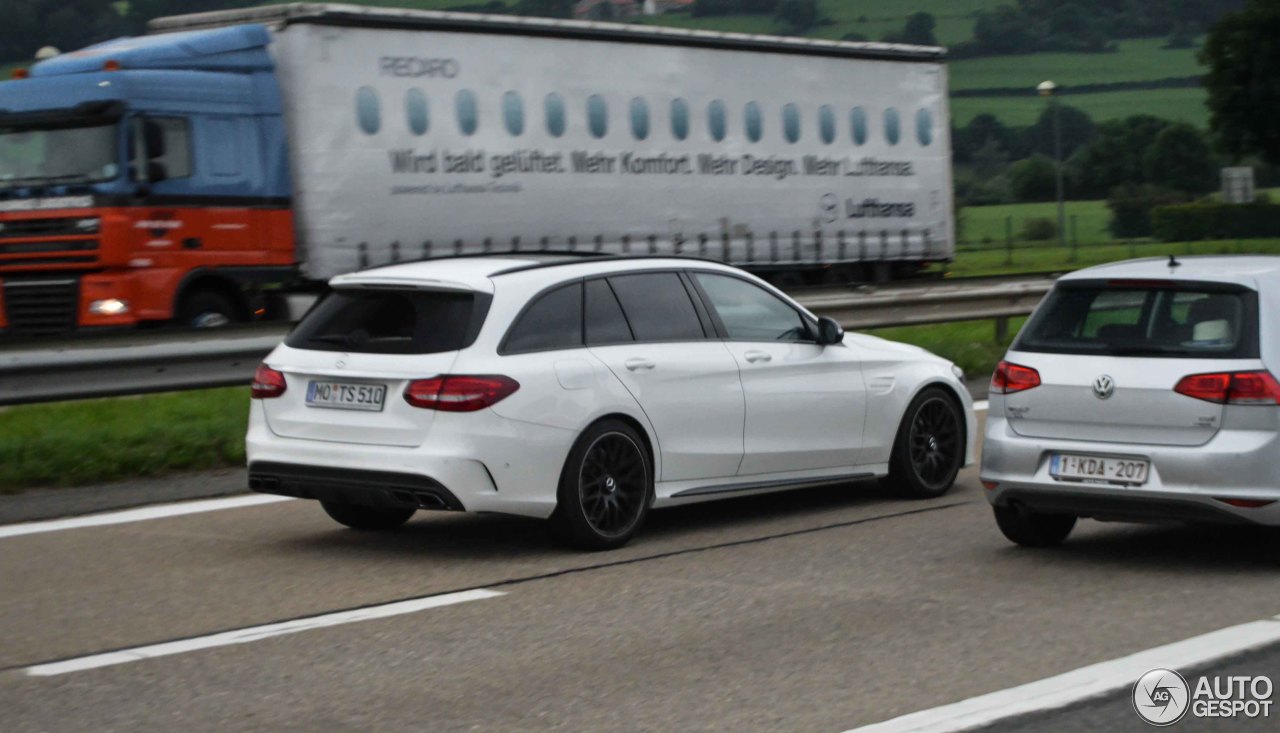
(1046, 89)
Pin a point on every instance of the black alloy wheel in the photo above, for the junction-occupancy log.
(930, 445)
(605, 488)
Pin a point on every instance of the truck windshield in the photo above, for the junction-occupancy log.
(35, 156)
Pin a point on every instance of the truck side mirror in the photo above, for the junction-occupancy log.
(829, 331)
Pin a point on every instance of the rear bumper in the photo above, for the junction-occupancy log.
(1184, 483)
(477, 462)
(1107, 505)
(381, 489)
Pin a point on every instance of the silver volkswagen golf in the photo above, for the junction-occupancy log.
(1140, 390)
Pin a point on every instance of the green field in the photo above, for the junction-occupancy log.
(1178, 105)
(985, 226)
(1136, 60)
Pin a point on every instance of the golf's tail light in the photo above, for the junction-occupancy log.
(1247, 503)
(1232, 388)
(1009, 378)
(267, 383)
(458, 392)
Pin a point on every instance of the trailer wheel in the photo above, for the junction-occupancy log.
(207, 309)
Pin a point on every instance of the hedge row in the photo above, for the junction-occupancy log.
(1190, 222)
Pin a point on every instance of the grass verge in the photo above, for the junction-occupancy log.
(80, 443)
(972, 345)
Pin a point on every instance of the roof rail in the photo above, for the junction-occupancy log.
(610, 257)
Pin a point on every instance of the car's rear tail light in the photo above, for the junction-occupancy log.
(1009, 378)
(1232, 388)
(1247, 503)
(459, 393)
(267, 383)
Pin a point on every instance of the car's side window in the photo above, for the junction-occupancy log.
(552, 321)
(657, 306)
(605, 323)
(751, 313)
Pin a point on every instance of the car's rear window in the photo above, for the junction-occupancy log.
(391, 322)
(1145, 318)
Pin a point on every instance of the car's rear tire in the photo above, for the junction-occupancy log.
(929, 447)
(1033, 529)
(367, 518)
(606, 487)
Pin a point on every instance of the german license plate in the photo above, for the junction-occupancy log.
(346, 396)
(1070, 467)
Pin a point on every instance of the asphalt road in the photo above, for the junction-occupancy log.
(816, 610)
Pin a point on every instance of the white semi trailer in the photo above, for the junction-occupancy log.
(418, 133)
(229, 152)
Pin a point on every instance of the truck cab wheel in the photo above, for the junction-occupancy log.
(207, 309)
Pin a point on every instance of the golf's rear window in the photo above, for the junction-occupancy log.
(391, 322)
(1145, 318)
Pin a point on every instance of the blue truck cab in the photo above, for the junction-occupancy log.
(143, 179)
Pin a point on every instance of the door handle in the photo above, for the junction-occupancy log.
(636, 365)
(757, 356)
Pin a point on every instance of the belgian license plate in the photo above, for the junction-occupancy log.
(1071, 467)
(346, 396)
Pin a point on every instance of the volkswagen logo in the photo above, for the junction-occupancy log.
(1104, 386)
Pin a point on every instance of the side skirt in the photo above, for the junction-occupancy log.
(774, 484)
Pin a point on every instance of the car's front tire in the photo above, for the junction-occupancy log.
(1033, 529)
(605, 488)
(366, 518)
(929, 447)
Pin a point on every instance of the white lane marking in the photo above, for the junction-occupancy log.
(159, 511)
(1080, 684)
(980, 406)
(258, 633)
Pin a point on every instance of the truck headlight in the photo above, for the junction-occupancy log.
(109, 307)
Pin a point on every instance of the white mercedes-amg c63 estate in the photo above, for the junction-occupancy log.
(587, 391)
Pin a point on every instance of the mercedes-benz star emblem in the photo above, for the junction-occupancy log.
(1104, 386)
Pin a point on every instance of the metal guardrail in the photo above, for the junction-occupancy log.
(167, 361)
(943, 302)
(146, 363)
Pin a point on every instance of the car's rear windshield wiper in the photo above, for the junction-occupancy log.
(1121, 350)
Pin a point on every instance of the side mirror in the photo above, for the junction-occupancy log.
(829, 332)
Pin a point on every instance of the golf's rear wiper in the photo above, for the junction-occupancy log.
(1137, 350)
